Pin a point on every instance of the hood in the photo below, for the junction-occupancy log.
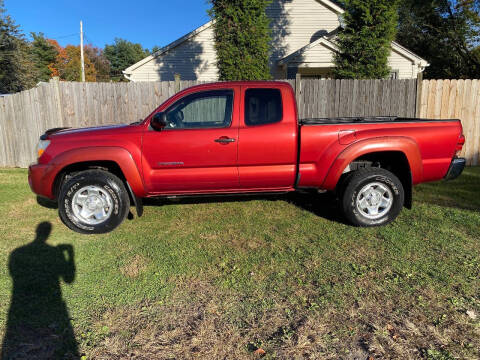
(81, 131)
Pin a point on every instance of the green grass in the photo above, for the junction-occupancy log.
(213, 279)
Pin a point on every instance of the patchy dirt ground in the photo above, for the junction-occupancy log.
(199, 324)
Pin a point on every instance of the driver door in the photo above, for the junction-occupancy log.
(197, 151)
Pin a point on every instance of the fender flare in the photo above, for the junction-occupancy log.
(122, 157)
(405, 145)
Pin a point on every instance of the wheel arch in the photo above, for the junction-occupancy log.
(74, 168)
(395, 162)
(399, 155)
(120, 163)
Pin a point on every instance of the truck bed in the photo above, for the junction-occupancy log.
(323, 140)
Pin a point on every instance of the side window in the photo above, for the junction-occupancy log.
(263, 106)
(209, 109)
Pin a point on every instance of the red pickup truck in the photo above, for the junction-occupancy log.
(237, 138)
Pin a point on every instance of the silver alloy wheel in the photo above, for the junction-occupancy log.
(374, 201)
(92, 205)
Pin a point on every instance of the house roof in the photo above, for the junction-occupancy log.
(328, 43)
(193, 33)
(321, 41)
(409, 54)
(332, 6)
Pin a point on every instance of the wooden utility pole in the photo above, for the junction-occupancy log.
(81, 51)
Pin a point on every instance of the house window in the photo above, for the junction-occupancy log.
(395, 74)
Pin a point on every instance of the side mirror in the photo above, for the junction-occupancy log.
(159, 121)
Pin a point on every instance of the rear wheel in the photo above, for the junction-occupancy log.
(93, 202)
(372, 197)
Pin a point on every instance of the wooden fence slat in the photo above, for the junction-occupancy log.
(445, 97)
(410, 103)
(431, 99)
(3, 150)
(459, 99)
(9, 136)
(451, 99)
(437, 108)
(467, 119)
(476, 132)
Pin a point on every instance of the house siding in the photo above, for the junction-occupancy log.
(294, 23)
(194, 59)
(297, 23)
(319, 54)
(322, 56)
(405, 67)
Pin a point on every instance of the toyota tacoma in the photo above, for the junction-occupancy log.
(242, 138)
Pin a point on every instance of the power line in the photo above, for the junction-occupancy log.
(62, 37)
(88, 40)
(59, 37)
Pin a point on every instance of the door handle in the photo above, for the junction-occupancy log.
(225, 140)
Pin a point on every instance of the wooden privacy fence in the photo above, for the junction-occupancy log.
(454, 99)
(26, 115)
(343, 98)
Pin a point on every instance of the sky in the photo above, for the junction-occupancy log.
(148, 22)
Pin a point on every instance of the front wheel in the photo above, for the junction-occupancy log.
(372, 197)
(93, 202)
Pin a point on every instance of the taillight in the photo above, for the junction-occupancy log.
(460, 143)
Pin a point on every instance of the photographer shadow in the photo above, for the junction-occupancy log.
(38, 325)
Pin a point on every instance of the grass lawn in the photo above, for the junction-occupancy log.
(234, 279)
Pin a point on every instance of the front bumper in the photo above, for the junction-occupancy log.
(456, 168)
(38, 179)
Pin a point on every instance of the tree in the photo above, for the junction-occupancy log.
(43, 55)
(68, 64)
(365, 40)
(242, 39)
(121, 55)
(99, 61)
(444, 32)
(53, 66)
(15, 62)
(155, 48)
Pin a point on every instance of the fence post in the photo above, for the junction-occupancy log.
(177, 82)
(298, 91)
(55, 81)
(418, 103)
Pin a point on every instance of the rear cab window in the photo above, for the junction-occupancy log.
(263, 107)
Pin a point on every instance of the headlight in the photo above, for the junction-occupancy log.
(41, 147)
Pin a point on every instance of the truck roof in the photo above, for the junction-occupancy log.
(241, 83)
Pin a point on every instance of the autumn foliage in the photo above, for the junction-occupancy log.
(67, 65)
(52, 66)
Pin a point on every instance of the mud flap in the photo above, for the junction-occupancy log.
(138, 202)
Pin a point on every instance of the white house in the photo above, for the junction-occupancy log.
(302, 32)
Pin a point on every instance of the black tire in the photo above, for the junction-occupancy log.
(110, 186)
(360, 179)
